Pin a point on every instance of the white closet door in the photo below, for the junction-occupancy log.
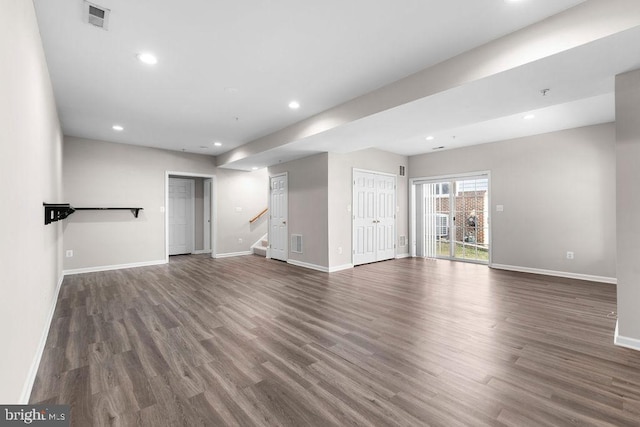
(364, 218)
(279, 211)
(386, 225)
(374, 221)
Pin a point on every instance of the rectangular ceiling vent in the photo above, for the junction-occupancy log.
(96, 15)
(296, 243)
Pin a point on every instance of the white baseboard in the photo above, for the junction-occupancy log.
(400, 256)
(232, 254)
(112, 267)
(620, 341)
(31, 377)
(588, 277)
(340, 268)
(201, 251)
(308, 265)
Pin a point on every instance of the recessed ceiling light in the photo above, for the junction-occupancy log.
(430, 138)
(147, 58)
(294, 105)
(529, 117)
(217, 144)
(255, 168)
(117, 128)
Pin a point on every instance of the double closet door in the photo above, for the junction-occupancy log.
(374, 217)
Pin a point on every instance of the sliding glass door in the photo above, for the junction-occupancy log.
(452, 218)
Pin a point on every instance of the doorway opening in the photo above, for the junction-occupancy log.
(189, 214)
(451, 218)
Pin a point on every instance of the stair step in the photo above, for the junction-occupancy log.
(260, 251)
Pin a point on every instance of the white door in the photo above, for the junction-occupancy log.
(181, 206)
(279, 211)
(386, 225)
(364, 218)
(207, 215)
(374, 217)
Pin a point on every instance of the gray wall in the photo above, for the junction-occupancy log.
(320, 197)
(30, 170)
(558, 195)
(248, 191)
(628, 203)
(341, 197)
(98, 173)
(308, 206)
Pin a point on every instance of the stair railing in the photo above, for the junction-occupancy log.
(257, 217)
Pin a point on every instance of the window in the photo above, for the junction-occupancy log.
(441, 189)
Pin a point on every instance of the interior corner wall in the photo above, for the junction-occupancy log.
(308, 207)
(558, 193)
(628, 205)
(30, 170)
(103, 174)
(241, 196)
(341, 197)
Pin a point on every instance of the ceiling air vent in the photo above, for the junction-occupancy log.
(96, 15)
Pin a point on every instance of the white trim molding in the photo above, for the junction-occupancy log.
(626, 342)
(568, 275)
(232, 254)
(113, 267)
(340, 268)
(31, 377)
(201, 251)
(308, 265)
(404, 255)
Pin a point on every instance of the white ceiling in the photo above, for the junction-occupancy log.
(321, 53)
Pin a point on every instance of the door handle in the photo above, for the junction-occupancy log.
(284, 221)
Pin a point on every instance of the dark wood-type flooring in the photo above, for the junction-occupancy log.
(248, 341)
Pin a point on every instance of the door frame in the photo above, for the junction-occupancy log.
(286, 240)
(395, 213)
(214, 213)
(413, 211)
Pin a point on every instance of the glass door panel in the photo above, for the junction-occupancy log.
(454, 219)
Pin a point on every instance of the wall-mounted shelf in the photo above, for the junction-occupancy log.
(58, 211)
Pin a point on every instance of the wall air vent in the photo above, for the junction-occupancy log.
(96, 15)
(296, 243)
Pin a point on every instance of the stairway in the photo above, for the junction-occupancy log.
(260, 247)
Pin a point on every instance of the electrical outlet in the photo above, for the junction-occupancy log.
(570, 255)
(69, 253)
(340, 250)
(240, 241)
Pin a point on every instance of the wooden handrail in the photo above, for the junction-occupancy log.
(257, 217)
